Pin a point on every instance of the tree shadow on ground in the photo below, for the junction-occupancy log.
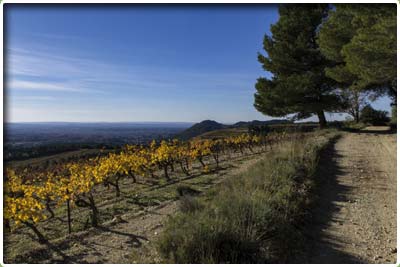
(322, 247)
(383, 131)
(47, 251)
(95, 248)
(134, 240)
(189, 177)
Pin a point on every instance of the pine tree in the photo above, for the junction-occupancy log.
(361, 40)
(299, 86)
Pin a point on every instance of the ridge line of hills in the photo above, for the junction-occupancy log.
(211, 125)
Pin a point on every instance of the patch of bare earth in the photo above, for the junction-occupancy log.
(355, 216)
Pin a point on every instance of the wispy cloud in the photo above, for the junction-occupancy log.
(75, 74)
(41, 86)
(49, 83)
(35, 98)
(86, 73)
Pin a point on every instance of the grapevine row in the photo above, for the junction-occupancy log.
(28, 201)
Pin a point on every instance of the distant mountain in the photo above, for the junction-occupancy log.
(209, 125)
(259, 123)
(200, 128)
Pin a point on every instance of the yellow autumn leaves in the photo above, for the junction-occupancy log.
(26, 200)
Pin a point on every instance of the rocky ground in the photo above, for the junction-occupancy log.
(355, 217)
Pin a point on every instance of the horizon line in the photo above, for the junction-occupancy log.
(111, 122)
(98, 122)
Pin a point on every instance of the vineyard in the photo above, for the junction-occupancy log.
(223, 134)
(71, 189)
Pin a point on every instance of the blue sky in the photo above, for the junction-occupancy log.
(135, 63)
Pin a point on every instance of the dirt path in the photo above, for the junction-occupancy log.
(355, 217)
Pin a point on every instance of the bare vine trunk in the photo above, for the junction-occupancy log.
(40, 236)
(321, 118)
(94, 211)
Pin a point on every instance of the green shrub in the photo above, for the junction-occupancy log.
(353, 126)
(393, 119)
(184, 190)
(372, 116)
(255, 217)
(189, 204)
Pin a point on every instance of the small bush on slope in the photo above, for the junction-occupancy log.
(255, 217)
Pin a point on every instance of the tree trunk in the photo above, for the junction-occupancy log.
(183, 168)
(94, 210)
(132, 175)
(358, 114)
(251, 149)
(7, 225)
(116, 186)
(48, 208)
(117, 191)
(166, 172)
(216, 159)
(187, 163)
(69, 216)
(321, 118)
(357, 118)
(202, 162)
(41, 238)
